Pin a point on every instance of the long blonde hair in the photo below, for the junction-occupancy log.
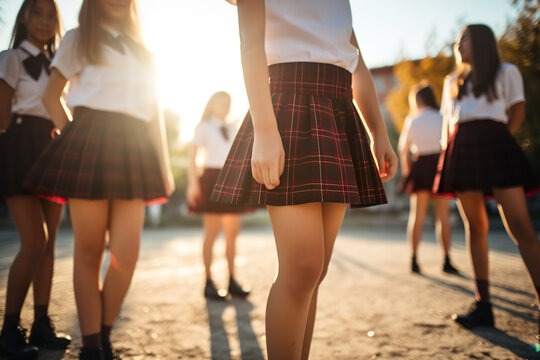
(210, 107)
(91, 38)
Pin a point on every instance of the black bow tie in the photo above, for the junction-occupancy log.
(224, 132)
(34, 64)
(117, 43)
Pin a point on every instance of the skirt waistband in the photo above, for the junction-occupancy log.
(22, 117)
(82, 112)
(310, 78)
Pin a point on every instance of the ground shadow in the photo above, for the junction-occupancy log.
(219, 339)
(502, 339)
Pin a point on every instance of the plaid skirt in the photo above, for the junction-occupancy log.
(327, 149)
(100, 155)
(207, 180)
(20, 146)
(421, 175)
(482, 155)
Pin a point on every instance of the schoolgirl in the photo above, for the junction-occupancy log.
(108, 162)
(483, 104)
(302, 150)
(421, 136)
(213, 139)
(25, 130)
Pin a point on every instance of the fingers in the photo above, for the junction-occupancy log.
(281, 164)
(256, 172)
(266, 174)
(388, 171)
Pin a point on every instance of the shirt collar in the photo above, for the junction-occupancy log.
(31, 48)
(113, 32)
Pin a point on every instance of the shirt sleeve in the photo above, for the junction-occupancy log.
(199, 136)
(10, 67)
(512, 85)
(405, 136)
(67, 59)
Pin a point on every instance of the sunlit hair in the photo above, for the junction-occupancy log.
(20, 31)
(484, 66)
(210, 107)
(91, 36)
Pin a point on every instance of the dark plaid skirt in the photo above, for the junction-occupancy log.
(327, 150)
(421, 175)
(207, 180)
(20, 146)
(481, 156)
(100, 155)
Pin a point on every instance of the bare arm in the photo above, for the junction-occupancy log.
(405, 160)
(53, 102)
(6, 97)
(366, 99)
(268, 156)
(516, 116)
(193, 191)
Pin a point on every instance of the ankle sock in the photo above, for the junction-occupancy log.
(92, 341)
(482, 290)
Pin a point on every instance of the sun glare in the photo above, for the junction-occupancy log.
(197, 54)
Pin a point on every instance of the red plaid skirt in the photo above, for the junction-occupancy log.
(421, 175)
(100, 155)
(206, 182)
(20, 146)
(481, 156)
(327, 149)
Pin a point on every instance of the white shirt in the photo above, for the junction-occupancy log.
(509, 87)
(122, 84)
(27, 91)
(309, 31)
(215, 147)
(422, 132)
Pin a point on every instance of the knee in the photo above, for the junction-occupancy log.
(521, 231)
(323, 274)
(479, 228)
(124, 261)
(305, 274)
(88, 256)
(35, 248)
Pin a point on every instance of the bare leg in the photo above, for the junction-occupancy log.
(28, 218)
(514, 213)
(443, 229)
(212, 226)
(299, 235)
(417, 215)
(473, 212)
(332, 218)
(231, 227)
(42, 281)
(90, 221)
(125, 227)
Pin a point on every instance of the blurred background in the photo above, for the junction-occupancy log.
(403, 42)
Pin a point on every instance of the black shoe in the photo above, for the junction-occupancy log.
(449, 268)
(414, 266)
(479, 314)
(211, 292)
(235, 289)
(108, 351)
(91, 353)
(13, 344)
(44, 335)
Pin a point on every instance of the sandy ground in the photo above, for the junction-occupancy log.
(370, 306)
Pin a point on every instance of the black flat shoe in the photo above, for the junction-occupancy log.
(235, 289)
(91, 354)
(480, 314)
(211, 292)
(448, 267)
(43, 334)
(414, 266)
(108, 352)
(13, 344)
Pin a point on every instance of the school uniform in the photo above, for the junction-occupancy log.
(422, 134)
(481, 154)
(106, 151)
(327, 149)
(26, 70)
(214, 138)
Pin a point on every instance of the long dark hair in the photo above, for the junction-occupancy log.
(20, 31)
(485, 63)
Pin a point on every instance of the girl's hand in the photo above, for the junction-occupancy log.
(385, 156)
(268, 158)
(193, 194)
